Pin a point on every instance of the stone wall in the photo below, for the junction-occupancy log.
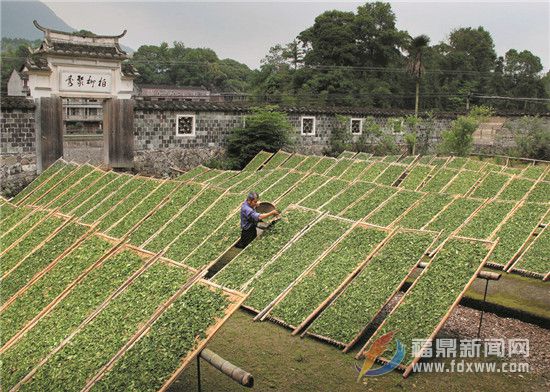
(17, 145)
(159, 162)
(158, 147)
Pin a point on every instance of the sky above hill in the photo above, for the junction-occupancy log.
(245, 31)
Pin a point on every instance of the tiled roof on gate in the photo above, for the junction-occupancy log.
(81, 44)
(82, 50)
(36, 62)
(129, 70)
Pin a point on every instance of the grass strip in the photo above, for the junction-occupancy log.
(52, 183)
(432, 297)
(145, 188)
(315, 287)
(88, 193)
(91, 348)
(153, 223)
(516, 230)
(324, 193)
(359, 303)
(260, 251)
(486, 220)
(396, 206)
(9, 259)
(142, 209)
(289, 265)
(366, 205)
(54, 327)
(40, 259)
(49, 286)
(65, 184)
(178, 331)
(415, 177)
(42, 178)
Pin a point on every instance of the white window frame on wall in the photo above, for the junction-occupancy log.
(302, 125)
(360, 126)
(192, 134)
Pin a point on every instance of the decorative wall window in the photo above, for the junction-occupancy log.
(185, 125)
(356, 126)
(307, 126)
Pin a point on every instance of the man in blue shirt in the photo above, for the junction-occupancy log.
(249, 219)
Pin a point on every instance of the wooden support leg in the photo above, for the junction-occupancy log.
(483, 305)
(199, 389)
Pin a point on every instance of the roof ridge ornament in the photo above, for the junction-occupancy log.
(46, 31)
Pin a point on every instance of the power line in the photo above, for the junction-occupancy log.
(319, 66)
(512, 98)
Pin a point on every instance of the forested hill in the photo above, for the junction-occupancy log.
(17, 17)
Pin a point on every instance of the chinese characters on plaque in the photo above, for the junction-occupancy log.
(85, 82)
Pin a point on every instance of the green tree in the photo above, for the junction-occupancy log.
(378, 41)
(153, 64)
(331, 39)
(458, 140)
(182, 66)
(14, 53)
(340, 137)
(532, 137)
(265, 129)
(415, 66)
(522, 74)
(468, 59)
